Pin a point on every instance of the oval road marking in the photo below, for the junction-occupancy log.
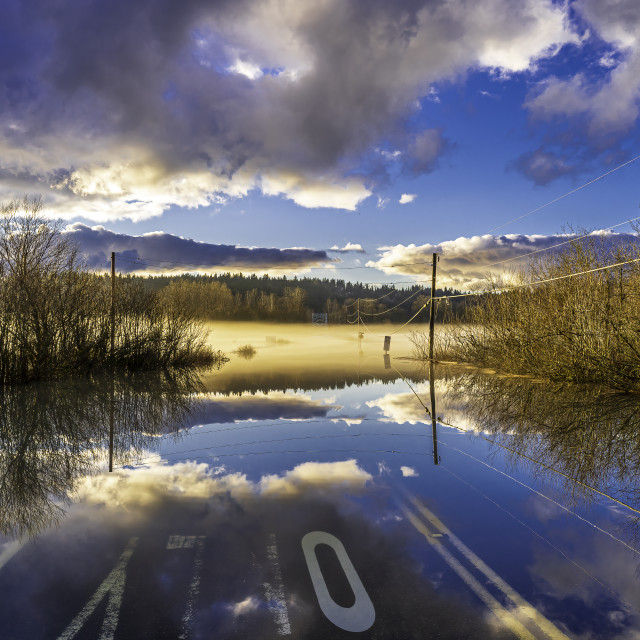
(358, 617)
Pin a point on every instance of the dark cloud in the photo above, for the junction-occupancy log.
(424, 152)
(151, 103)
(219, 410)
(163, 250)
(544, 166)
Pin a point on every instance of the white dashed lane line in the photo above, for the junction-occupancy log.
(113, 585)
(274, 590)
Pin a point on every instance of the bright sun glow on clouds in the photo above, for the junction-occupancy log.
(466, 262)
(211, 102)
(148, 485)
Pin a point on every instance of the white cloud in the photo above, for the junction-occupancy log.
(140, 487)
(409, 472)
(610, 105)
(316, 475)
(402, 408)
(465, 263)
(96, 243)
(350, 246)
(248, 605)
(405, 198)
(247, 69)
(337, 193)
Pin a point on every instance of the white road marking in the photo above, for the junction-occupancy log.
(113, 584)
(358, 617)
(274, 593)
(182, 542)
(194, 587)
(523, 607)
(10, 550)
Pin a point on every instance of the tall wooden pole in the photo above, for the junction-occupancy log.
(432, 310)
(113, 306)
(112, 355)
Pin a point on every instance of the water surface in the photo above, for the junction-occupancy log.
(306, 491)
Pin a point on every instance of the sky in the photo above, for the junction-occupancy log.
(333, 138)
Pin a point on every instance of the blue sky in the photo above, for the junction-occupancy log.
(274, 125)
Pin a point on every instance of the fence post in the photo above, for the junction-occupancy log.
(432, 310)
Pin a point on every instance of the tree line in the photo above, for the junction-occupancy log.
(239, 297)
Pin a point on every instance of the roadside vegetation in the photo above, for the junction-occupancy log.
(55, 314)
(581, 329)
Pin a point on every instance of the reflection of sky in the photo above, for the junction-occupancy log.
(335, 460)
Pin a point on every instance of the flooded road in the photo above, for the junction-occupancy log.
(306, 491)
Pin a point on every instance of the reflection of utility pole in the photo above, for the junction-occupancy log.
(434, 427)
(432, 310)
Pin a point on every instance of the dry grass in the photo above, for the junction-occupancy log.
(54, 315)
(581, 329)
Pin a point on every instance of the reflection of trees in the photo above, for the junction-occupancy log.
(586, 433)
(312, 377)
(51, 433)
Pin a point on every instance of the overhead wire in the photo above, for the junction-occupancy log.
(379, 313)
(565, 195)
(277, 440)
(595, 526)
(531, 284)
(332, 266)
(523, 455)
(560, 244)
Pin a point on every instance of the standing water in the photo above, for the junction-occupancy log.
(303, 489)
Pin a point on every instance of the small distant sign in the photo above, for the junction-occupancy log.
(387, 343)
(320, 318)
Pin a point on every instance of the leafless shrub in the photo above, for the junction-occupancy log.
(54, 315)
(246, 351)
(578, 328)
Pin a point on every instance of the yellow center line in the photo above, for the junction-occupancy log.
(505, 617)
(523, 607)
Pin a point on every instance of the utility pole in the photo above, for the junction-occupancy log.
(112, 354)
(432, 310)
(113, 306)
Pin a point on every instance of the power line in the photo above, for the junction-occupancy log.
(330, 267)
(604, 175)
(531, 284)
(560, 244)
(378, 335)
(379, 313)
(518, 453)
(276, 440)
